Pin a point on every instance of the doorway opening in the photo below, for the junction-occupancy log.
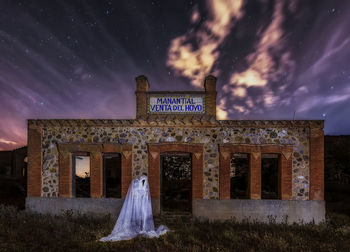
(269, 176)
(239, 176)
(112, 174)
(176, 182)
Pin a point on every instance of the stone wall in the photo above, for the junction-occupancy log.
(277, 211)
(211, 137)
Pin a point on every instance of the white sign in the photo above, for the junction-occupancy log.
(176, 104)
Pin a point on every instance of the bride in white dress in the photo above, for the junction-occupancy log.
(136, 217)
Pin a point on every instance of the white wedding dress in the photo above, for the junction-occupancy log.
(136, 216)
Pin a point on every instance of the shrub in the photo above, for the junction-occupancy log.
(24, 231)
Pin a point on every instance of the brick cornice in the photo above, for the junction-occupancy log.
(178, 121)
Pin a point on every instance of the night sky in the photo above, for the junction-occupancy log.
(79, 59)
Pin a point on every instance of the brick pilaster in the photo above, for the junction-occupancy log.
(285, 180)
(65, 174)
(34, 161)
(127, 157)
(96, 174)
(224, 172)
(154, 171)
(255, 175)
(316, 164)
(197, 173)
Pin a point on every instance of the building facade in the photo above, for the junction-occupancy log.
(240, 169)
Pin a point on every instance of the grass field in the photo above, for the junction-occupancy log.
(21, 231)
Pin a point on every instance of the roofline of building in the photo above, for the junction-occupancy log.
(177, 121)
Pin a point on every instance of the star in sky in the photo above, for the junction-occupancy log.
(78, 59)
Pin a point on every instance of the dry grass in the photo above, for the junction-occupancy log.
(22, 231)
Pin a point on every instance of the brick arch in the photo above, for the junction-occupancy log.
(154, 151)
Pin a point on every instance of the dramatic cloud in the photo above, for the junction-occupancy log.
(7, 142)
(221, 114)
(267, 64)
(194, 54)
(298, 66)
(274, 59)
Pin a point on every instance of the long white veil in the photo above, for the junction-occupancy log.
(136, 217)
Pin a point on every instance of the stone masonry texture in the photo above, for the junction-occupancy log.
(173, 130)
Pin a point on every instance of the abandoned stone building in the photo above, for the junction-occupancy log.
(196, 164)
